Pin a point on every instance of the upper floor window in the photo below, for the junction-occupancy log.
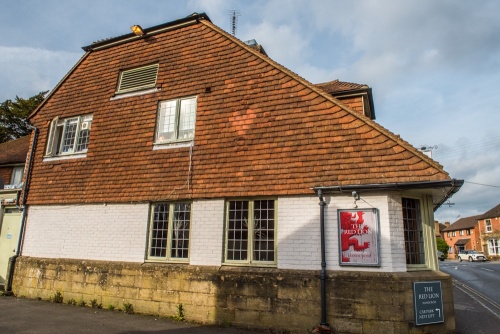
(454, 233)
(176, 120)
(487, 223)
(467, 232)
(414, 240)
(169, 231)
(69, 135)
(251, 232)
(137, 79)
(461, 232)
(448, 234)
(17, 175)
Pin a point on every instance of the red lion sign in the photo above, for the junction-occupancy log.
(358, 231)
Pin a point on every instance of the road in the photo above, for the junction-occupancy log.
(476, 295)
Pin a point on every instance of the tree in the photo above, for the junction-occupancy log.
(13, 116)
(442, 245)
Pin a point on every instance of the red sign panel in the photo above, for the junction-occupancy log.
(358, 234)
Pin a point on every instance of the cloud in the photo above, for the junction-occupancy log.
(28, 71)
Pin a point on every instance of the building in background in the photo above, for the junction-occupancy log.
(12, 161)
(489, 229)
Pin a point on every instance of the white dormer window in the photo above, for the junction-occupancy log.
(69, 136)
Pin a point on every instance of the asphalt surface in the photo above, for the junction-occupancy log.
(23, 316)
(475, 296)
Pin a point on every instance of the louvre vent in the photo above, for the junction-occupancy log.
(138, 78)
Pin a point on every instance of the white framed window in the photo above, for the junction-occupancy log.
(69, 135)
(494, 247)
(176, 120)
(461, 232)
(487, 224)
(454, 233)
(250, 232)
(413, 234)
(169, 230)
(17, 175)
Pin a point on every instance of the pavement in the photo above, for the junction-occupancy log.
(23, 316)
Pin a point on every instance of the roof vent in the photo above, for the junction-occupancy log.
(138, 78)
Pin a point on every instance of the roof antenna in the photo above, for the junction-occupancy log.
(233, 19)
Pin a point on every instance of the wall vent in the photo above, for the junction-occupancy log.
(138, 78)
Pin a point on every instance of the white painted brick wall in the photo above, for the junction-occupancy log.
(94, 232)
(299, 244)
(207, 233)
(119, 232)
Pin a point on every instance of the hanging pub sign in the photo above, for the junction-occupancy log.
(358, 237)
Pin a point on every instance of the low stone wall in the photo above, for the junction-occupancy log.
(286, 300)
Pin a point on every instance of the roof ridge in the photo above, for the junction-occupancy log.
(321, 92)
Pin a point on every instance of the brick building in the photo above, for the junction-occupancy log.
(489, 230)
(180, 166)
(462, 234)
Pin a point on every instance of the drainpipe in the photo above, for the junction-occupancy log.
(323, 326)
(12, 260)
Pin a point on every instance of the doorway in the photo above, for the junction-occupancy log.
(9, 236)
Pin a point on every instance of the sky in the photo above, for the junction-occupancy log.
(433, 65)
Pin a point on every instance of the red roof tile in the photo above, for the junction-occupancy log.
(14, 151)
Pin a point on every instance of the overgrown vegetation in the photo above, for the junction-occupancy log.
(72, 302)
(95, 304)
(128, 308)
(57, 297)
(180, 313)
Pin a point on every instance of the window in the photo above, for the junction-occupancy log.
(454, 233)
(169, 231)
(487, 223)
(69, 135)
(137, 79)
(468, 232)
(494, 247)
(17, 175)
(176, 120)
(251, 232)
(448, 234)
(412, 221)
(461, 232)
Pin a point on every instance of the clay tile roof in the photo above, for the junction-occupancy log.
(495, 212)
(14, 151)
(337, 86)
(463, 223)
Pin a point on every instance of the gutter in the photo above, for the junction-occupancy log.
(12, 260)
(453, 184)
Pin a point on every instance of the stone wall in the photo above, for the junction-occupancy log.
(357, 302)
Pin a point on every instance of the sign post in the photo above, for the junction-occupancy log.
(428, 299)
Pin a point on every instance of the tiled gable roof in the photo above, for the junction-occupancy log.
(492, 213)
(463, 223)
(14, 151)
(260, 128)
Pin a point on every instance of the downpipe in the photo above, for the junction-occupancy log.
(323, 327)
(24, 209)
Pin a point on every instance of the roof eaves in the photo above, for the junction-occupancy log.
(329, 97)
(106, 43)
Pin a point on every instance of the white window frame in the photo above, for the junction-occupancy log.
(171, 118)
(487, 226)
(461, 232)
(169, 239)
(494, 246)
(61, 141)
(251, 231)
